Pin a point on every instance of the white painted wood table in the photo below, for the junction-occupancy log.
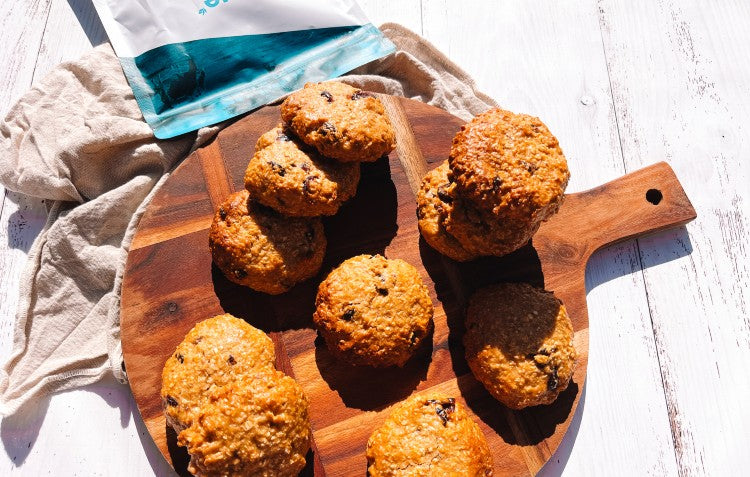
(622, 85)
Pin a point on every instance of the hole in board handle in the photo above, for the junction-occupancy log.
(654, 196)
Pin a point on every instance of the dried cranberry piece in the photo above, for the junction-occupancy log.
(443, 194)
(529, 166)
(443, 409)
(327, 129)
(277, 168)
(306, 183)
(310, 234)
(553, 379)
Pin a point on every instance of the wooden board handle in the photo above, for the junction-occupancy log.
(647, 200)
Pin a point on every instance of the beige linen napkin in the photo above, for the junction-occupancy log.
(78, 139)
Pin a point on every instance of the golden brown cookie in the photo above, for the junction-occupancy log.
(258, 426)
(428, 435)
(257, 247)
(340, 121)
(373, 311)
(519, 344)
(215, 352)
(484, 234)
(434, 200)
(295, 180)
(509, 165)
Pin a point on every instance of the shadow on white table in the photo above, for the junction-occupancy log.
(88, 410)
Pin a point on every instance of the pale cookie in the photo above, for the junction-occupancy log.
(215, 352)
(257, 426)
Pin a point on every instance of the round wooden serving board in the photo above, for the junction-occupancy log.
(170, 284)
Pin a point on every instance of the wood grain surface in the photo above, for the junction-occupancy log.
(170, 284)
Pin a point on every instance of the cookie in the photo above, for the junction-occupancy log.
(509, 165)
(434, 200)
(258, 426)
(340, 121)
(429, 434)
(214, 353)
(296, 181)
(257, 247)
(519, 344)
(373, 311)
(484, 234)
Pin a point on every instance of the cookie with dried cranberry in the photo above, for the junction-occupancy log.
(509, 165)
(293, 179)
(255, 246)
(429, 434)
(373, 311)
(519, 344)
(483, 234)
(215, 352)
(434, 200)
(258, 426)
(340, 121)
